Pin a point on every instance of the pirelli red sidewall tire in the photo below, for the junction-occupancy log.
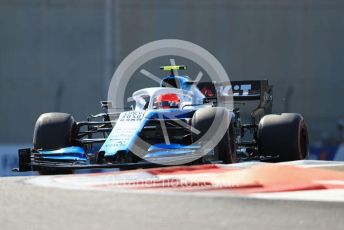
(285, 136)
(54, 131)
(203, 119)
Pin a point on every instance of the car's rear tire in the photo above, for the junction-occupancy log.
(54, 131)
(285, 137)
(202, 121)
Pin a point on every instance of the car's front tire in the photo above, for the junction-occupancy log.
(54, 131)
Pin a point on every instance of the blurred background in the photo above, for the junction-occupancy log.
(59, 55)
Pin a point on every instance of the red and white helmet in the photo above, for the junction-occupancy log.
(167, 101)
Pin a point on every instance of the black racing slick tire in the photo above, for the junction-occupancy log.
(202, 121)
(285, 137)
(54, 131)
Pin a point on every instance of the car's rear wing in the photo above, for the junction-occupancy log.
(246, 90)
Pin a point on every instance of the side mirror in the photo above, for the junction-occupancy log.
(106, 105)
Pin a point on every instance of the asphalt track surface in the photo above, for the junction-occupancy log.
(25, 206)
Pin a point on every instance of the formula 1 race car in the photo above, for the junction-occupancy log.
(170, 125)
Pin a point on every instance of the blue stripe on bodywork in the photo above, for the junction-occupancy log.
(72, 153)
(166, 150)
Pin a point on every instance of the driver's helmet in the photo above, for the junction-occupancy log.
(167, 101)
